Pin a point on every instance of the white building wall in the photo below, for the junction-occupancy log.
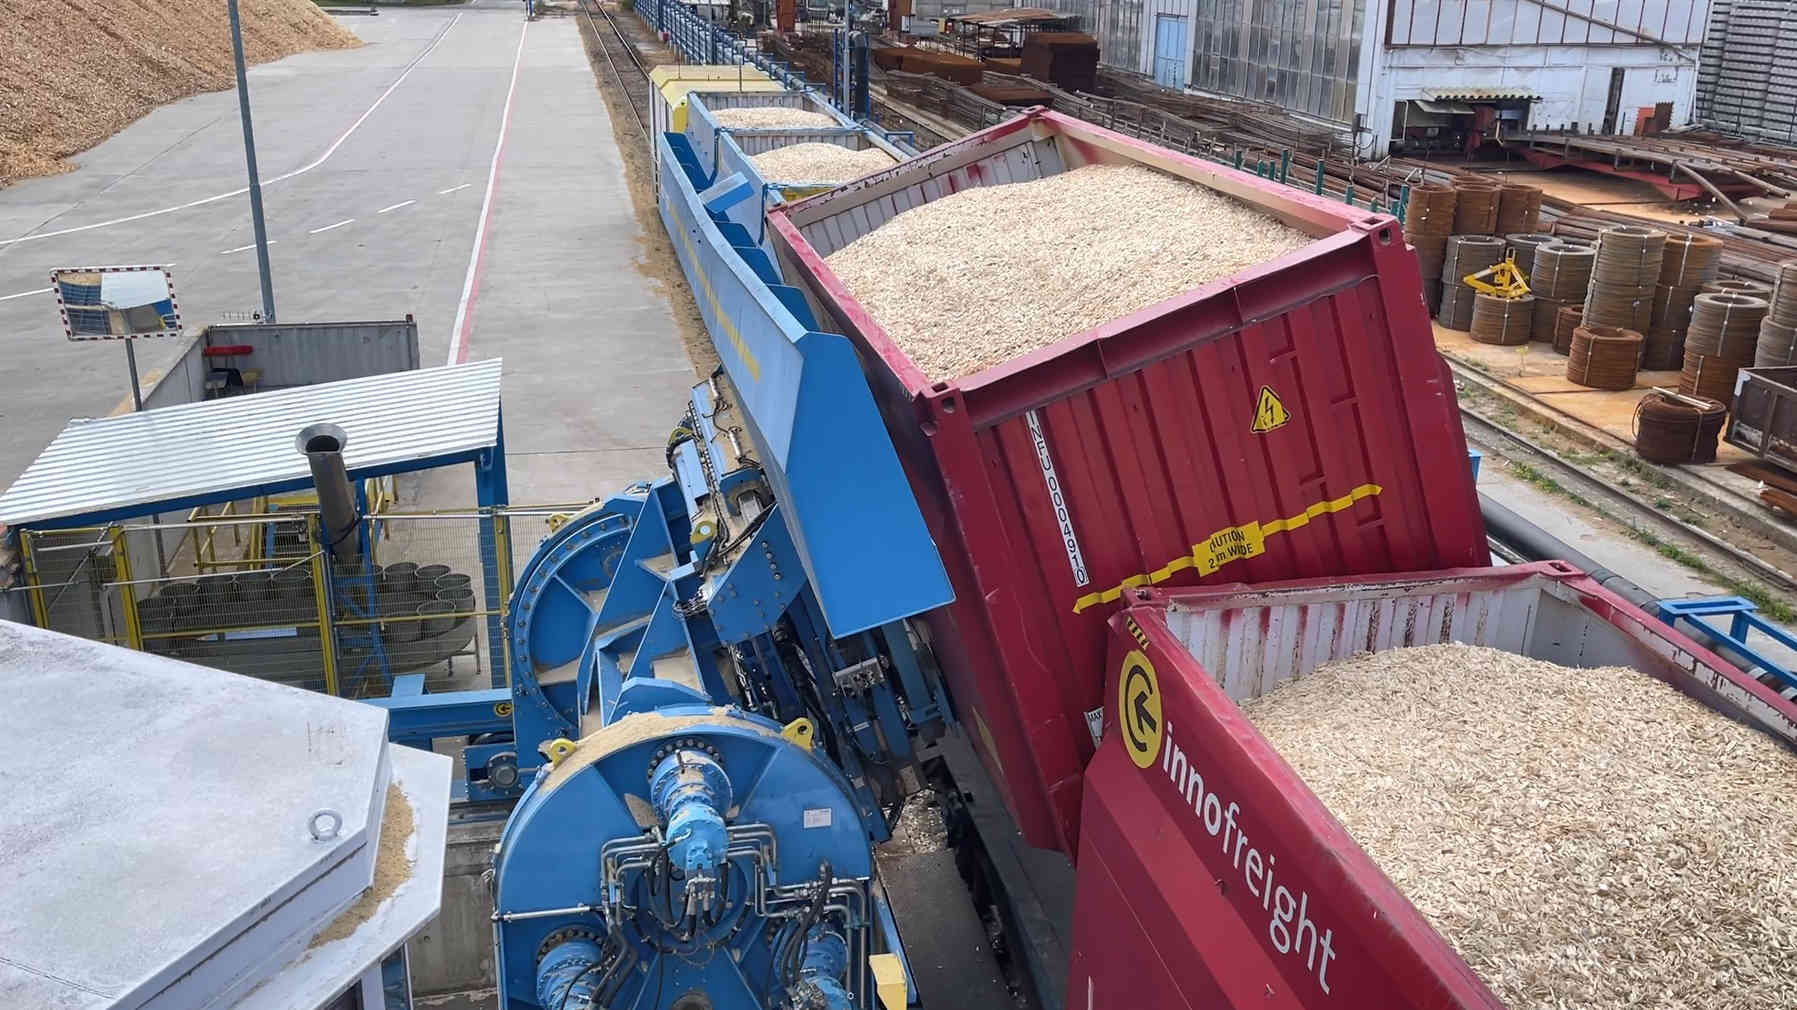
(1572, 82)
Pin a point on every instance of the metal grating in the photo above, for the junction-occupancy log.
(128, 464)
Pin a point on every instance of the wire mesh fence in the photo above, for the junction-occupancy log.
(255, 594)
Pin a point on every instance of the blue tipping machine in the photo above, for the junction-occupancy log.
(715, 693)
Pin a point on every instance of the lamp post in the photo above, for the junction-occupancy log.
(249, 157)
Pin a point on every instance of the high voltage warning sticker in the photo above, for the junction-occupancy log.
(1269, 413)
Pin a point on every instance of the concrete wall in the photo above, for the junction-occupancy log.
(455, 952)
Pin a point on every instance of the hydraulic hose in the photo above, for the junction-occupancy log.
(1537, 544)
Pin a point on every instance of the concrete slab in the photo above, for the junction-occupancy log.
(184, 803)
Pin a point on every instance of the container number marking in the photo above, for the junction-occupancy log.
(1075, 557)
(1269, 413)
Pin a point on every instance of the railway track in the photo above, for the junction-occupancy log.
(621, 59)
(1622, 505)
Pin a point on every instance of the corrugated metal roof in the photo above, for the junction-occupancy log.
(195, 449)
(1478, 94)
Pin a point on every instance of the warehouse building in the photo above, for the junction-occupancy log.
(1420, 73)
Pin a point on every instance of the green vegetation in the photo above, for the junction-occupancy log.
(1529, 475)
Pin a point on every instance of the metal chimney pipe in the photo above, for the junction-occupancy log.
(323, 445)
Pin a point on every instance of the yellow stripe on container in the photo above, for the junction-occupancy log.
(1232, 543)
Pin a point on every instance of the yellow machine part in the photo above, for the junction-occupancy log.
(889, 981)
(1502, 279)
(674, 83)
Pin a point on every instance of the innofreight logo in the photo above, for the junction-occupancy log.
(1148, 736)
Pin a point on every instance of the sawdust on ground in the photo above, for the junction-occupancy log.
(74, 72)
(1584, 838)
(392, 867)
(655, 260)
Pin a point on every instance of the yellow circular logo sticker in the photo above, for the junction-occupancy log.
(503, 709)
(1139, 709)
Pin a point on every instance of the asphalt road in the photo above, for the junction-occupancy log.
(459, 166)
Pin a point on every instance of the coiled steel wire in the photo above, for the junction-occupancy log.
(1673, 429)
(1603, 357)
(1503, 321)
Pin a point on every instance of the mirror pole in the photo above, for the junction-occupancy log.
(249, 157)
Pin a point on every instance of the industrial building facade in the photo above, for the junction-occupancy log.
(1397, 69)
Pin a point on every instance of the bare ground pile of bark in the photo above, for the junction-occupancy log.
(74, 72)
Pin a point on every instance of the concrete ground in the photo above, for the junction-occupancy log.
(376, 165)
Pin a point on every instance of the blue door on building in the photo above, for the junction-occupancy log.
(1170, 50)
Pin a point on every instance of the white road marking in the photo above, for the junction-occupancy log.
(241, 248)
(24, 294)
(321, 159)
(396, 206)
(454, 189)
(458, 334)
(328, 227)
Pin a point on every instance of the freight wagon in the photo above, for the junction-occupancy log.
(1163, 915)
(1142, 451)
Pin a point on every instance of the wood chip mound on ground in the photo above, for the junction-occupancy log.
(819, 163)
(1584, 838)
(773, 117)
(985, 275)
(73, 74)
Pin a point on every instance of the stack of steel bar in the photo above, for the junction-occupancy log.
(1428, 222)
(1519, 208)
(1500, 320)
(1603, 357)
(1724, 334)
(1466, 254)
(1622, 281)
(1778, 331)
(1476, 207)
(1560, 276)
(1567, 319)
(1689, 262)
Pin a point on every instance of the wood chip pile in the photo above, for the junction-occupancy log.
(73, 74)
(773, 117)
(1584, 838)
(985, 275)
(819, 163)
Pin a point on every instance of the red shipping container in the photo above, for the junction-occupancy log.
(1165, 916)
(1292, 420)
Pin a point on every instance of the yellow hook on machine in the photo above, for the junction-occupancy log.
(800, 731)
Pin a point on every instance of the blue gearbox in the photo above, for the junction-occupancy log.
(686, 856)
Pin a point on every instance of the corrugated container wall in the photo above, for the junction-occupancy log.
(1747, 77)
(1293, 419)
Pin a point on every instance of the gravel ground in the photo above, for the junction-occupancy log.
(74, 72)
(988, 274)
(1584, 838)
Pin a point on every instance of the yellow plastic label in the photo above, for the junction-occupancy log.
(1269, 413)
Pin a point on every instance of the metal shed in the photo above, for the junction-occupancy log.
(100, 474)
